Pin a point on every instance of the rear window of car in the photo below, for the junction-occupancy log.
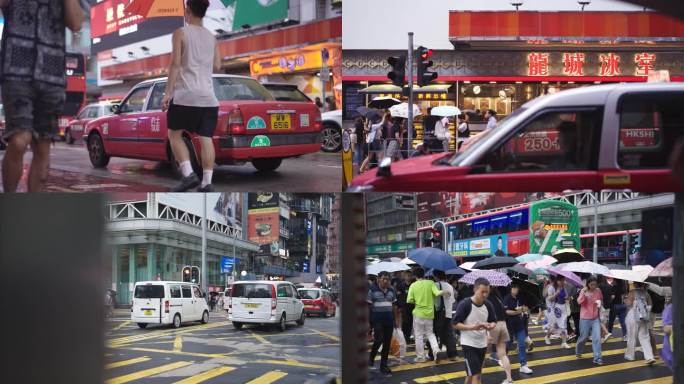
(149, 292)
(238, 88)
(252, 291)
(311, 294)
(287, 93)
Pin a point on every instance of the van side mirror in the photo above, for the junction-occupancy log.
(115, 108)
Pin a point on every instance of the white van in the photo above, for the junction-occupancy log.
(168, 302)
(264, 302)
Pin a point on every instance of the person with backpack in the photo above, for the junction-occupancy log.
(638, 315)
(606, 304)
(443, 313)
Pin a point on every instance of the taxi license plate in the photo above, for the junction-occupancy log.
(251, 305)
(308, 306)
(281, 122)
(148, 312)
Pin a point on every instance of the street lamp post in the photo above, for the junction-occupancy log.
(204, 284)
(410, 90)
(596, 201)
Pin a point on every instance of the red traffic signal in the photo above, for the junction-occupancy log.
(425, 53)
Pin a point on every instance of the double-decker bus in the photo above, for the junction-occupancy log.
(539, 227)
(75, 89)
(614, 246)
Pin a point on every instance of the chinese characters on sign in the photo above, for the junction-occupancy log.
(538, 64)
(608, 64)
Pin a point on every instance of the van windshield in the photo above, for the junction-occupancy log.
(252, 291)
(149, 292)
(311, 294)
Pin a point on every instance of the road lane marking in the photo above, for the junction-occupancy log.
(582, 373)
(291, 363)
(329, 336)
(209, 355)
(662, 380)
(259, 337)
(206, 375)
(127, 362)
(147, 373)
(532, 363)
(268, 378)
(123, 324)
(154, 335)
(178, 343)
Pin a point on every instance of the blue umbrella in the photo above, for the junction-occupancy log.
(526, 258)
(434, 258)
(455, 271)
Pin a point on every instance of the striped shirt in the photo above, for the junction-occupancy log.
(381, 303)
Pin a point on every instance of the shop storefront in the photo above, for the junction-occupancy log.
(502, 59)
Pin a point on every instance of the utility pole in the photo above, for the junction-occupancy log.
(204, 284)
(678, 288)
(596, 201)
(410, 91)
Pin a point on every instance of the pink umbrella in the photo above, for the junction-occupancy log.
(571, 277)
(664, 269)
(541, 263)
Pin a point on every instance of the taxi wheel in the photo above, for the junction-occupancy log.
(176, 321)
(267, 165)
(205, 317)
(142, 325)
(68, 138)
(96, 152)
(282, 326)
(237, 325)
(301, 320)
(332, 137)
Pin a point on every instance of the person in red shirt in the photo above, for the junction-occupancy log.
(590, 299)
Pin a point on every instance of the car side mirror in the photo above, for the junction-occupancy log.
(115, 108)
(385, 168)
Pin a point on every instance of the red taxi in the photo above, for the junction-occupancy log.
(74, 130)
(252, 127)
(317, 301)
(618, 136)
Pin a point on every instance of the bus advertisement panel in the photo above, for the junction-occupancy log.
(481, 246)
(553, 225)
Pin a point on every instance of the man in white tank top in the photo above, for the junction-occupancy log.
(189, 99)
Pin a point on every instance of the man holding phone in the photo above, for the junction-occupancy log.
(474, 317)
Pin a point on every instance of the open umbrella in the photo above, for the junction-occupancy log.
(545, 261)
(401, 110)
(567, 255)
(445, 110)
(163, 8)
(520, 270)
(496, 279)
(569, 276)
(637, 273)
(386, 266)
(429, 257)
(662, 274)
(496, 262)
(585, 267)
(621, 267)
(529, 257)
(383, 102)
(469, 266)
(455, 271)
(408, 261)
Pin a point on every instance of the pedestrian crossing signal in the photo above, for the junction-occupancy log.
(398, 73)
(425, 76)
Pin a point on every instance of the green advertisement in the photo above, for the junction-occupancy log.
(393, 247)
(256, 12)
(553, 225)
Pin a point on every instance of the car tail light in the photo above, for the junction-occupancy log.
(274, 298)
(236, 123)
(318, 123)
(317, 302)
(167, 306)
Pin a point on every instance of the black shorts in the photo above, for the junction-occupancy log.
(474, 359)
(199, 120)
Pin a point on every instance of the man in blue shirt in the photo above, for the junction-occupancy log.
(382, 301)
(516, 311)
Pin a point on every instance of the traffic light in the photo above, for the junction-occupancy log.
(187, 274)
(195, 275)
(398, 73)
(437, 239)
(191, 274)
(425, 76)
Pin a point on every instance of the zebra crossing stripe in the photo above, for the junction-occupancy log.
(268, 378)
(582, 373)
(127, 362)
(206, 375)
(147, 373)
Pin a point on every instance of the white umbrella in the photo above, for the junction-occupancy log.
(445, 110)
(401, 110)
(468, 266)
(639, 275)
(408, 261)
(386, 266)
(585, 267)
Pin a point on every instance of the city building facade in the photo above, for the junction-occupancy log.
(390, 224)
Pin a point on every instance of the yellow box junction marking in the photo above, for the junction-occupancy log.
(127, 362)
(268, 378)
(147, 373)
(206, 375)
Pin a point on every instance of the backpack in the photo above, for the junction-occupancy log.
(658, 303)
(640, 306)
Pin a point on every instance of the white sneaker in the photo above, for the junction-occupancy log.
(565, 345)
(547, 340)
(624, 338)
(419, 360)
(507, 381)
(605, 338)
(526, 370)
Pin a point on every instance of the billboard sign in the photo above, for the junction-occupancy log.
(240, 14)
(263, 217)
(223, 208)
(111, 27)
(227, 264)
(553, 225)
(482, 246)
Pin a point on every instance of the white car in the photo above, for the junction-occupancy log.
(332, 131)
(168, 302)
(264, 302)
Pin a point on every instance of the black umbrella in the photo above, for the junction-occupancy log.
(371, 114)
(383, 102)
(568, 255)
(496, 262)
(520, 270)
(663, 281)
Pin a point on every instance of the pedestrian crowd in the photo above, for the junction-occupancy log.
(378, 136)
(442, 314)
